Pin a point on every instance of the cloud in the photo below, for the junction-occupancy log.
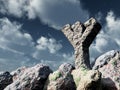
(14, 45)
(18, 48)
(10, 34)
(50, 44)
(55, 13)
(108, 38)
(13, 7)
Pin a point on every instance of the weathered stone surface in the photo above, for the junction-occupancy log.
(66, 68)
(91, 81)
(30, 78)
(61, 79)
(81, 36)
(104, 59)
(18, 73)
(109, 65)
(87, 79)
(5, 79)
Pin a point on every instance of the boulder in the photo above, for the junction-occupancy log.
(61, 79)
(109, 65)
(66, 68)
(86, 79)
(32, 78)
(5, 79)
(104, 59)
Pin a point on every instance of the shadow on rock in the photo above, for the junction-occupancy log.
(108, 84)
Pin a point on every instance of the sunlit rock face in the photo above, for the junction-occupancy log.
(81, 35)
(109, 65)
(61, 79)
(32, 78)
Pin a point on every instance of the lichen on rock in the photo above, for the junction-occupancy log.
(54, 76)
(61, 79)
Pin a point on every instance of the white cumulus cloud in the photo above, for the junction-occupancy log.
(55, 13)
(109, 37)
(14, 45)
(50, 44)
(18, 48)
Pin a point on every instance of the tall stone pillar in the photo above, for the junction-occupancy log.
(81, 36)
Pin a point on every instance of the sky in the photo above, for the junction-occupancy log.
(30, 30)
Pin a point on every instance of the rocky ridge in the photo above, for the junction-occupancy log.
(109, 65)
(32, 78)
(104, 75)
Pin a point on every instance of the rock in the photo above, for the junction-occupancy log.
(30, 78)
(18, 73)
(66, 68)
(104, 59)
(81, 36)
(109, 65)
(5, 79)
(87, 79)
(61, 79)
(91, 81)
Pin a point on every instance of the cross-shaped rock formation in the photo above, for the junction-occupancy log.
(81, 36)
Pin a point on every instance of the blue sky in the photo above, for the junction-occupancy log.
(30, 30)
